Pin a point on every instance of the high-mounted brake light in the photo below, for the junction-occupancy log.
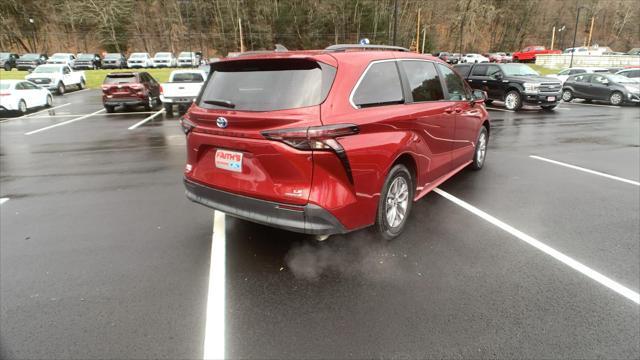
(317, 138)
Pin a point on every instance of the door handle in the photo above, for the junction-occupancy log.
(448, 111)
(458, 110)
(484, 81)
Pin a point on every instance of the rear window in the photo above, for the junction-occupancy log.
(120, 79)
(380, 86)
(267, 85)
(187, 77)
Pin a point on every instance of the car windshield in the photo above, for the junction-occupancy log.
(59, 56)
(112, 56)
(185, 54)
(30, 57)
(188, 77)
(120, 79)
(163, 55)
(85, 56)
(518, 70)
(47, 69)
(138, 56)
(4, 86)
(266, 85)
(621, 79)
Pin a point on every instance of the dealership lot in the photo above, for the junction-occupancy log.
(101, 254)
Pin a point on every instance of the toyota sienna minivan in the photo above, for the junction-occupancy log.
(330, 141)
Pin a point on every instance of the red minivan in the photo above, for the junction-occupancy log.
(130, 89)
(330, 141)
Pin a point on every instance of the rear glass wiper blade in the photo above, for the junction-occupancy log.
(221, 102)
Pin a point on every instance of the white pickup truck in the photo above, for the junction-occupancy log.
(182, 89)
(57, 77)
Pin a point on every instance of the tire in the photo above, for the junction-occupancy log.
(480, 154)
(548, 107)
(22, 107)
(149, 104)
(7, 67)
(82, 84)
(400, 182)
(49, 101)
(616, 98)
(515, 60)
(567, 95)
(109, 108)
(168, 109)
(61, 89)
(513, 100)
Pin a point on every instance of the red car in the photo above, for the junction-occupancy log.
(130, 89)
(529, 53)
(330, 141)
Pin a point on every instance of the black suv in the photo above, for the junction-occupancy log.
(8, 60)
(114, 61)
(515, 84)
(87, 61)
(31, 61)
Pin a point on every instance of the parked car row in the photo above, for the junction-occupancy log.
(92, 61)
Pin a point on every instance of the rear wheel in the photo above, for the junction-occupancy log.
(82, 84)
(22, 107)
(513, 100)
(61, 88)
(149, 104)
(7, 67)
(168, 109)
(567, 95)
(396, 199)
(616, 98)
(109, 108)
(49, 101)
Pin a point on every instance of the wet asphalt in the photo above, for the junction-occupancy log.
(102, 256)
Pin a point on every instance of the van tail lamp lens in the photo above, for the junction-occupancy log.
(186, 125)
(317, 138)
(105, 88)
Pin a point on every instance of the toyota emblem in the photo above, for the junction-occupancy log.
(222, 122)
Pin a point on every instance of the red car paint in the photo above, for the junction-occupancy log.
(436, 139)
(130, 89)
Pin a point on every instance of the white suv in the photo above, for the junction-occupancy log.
(140, 60)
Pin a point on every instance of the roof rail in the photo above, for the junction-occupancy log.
(345, 47)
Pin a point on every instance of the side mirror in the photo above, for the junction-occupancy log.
(479, 96)
(497, 76)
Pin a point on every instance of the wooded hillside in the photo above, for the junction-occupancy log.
(212, 25)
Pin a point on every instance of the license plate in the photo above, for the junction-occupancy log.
(551, 98)
(229, 160)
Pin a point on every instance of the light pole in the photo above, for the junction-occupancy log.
(561, 37)
(575, 32)
(33, 33)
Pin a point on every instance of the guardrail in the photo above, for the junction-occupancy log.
(563, 60)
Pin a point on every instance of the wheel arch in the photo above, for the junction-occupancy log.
(407, 160)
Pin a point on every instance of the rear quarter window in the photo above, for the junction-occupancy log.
(380, 85)
(424, 81)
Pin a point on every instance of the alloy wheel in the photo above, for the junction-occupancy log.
(616, 98)
(481, 150)
(511, 101)
(397, 202)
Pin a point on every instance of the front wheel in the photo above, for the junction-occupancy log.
(82, 84)
(513, 101)
(22, 107)
(396, 199)
(616, 98)
(481, 149)
(567, 95)
(168, 109)
(49, 101)
(61, 88)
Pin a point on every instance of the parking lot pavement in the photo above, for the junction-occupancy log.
(102, 256)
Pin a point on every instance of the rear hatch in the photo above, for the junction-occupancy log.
(121, 85)
(243, 99)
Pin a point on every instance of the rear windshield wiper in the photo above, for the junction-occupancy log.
(220, 102)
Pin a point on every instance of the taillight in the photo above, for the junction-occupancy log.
(105, 87)
(136, 86)
(317, 138)
(186, 125)
(5, 94)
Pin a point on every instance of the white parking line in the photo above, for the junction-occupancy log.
(610, 106)
(38, 112)
(3, 200)
(574, 264)
(77, 91)
(632, 182)
(134, 126)
(103, 114)
(63, 123)
(214, 334)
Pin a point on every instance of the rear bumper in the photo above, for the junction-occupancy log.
(123, 101)
(307, 219)
(176, 100)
